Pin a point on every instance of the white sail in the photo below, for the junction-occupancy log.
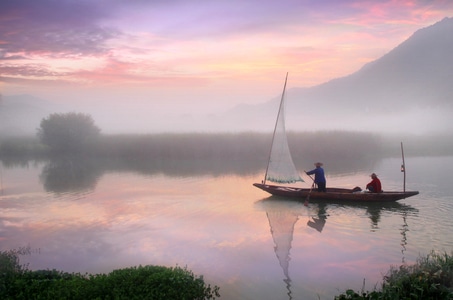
(281, 168)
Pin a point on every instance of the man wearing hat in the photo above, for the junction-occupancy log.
(374, 185)
(320, 179)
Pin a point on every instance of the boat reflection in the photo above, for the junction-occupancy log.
(283, 215)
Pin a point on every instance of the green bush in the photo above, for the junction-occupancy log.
(10, 270)
(430, 278)
(143, 282)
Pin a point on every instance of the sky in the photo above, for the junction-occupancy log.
(197, 56)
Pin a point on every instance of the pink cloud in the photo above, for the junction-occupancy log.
(215, 45)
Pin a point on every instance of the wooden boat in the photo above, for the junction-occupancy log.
(334, 194)
(281, 169)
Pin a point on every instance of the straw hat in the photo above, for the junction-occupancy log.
(318, 164)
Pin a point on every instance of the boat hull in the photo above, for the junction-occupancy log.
(334, 194)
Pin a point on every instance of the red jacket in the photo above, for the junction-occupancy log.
(375, 185)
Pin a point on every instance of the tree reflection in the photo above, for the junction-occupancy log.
(70, 174)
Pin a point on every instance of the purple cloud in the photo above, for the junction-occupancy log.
(52, 27)
(28, 70)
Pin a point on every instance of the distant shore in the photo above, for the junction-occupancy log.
(247, 145)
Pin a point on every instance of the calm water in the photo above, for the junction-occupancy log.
(83, 217)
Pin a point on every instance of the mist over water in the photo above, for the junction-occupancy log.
(23, 117)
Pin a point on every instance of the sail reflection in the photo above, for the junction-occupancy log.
(284, 214)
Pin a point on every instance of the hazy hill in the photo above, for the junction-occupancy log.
(416, 73)
(408, 89)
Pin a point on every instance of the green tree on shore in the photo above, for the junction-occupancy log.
(68, 132)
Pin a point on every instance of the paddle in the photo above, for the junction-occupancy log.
(312, 185)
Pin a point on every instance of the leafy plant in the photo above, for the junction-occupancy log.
(143, 282)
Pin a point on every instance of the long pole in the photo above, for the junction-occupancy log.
(403, 168)
(309, 193)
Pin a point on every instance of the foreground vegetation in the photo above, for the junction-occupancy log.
(430, 278)
(143, 282)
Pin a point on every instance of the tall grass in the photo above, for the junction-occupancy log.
(320, 145)
(184, 146)
(28, 146)
(431, 277)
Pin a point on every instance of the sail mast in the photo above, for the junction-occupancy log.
(275, 128)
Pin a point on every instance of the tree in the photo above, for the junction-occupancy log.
(68, 132)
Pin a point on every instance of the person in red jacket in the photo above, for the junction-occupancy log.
(374, 185)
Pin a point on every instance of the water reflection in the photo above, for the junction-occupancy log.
(283, 215)
(317, 222)
(81, 173)
(70, 174)
(404, 228)
(140, 213)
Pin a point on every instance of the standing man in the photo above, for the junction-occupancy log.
(320, 179)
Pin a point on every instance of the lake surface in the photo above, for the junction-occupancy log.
(82, 217)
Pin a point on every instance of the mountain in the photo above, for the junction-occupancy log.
(410, 88)
(417, 72)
